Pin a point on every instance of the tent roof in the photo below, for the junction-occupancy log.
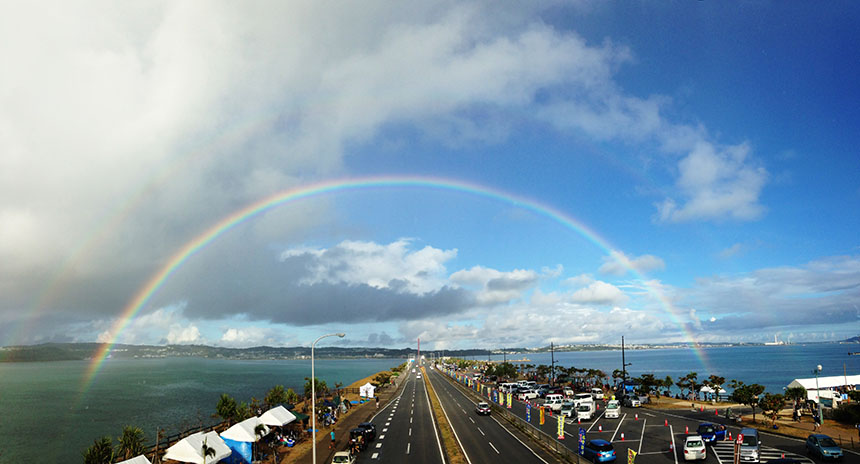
(189, 449)
(826, 382)
(368, 385)
(277, 416)
(707, 389)
(136, 460)
(244, 431)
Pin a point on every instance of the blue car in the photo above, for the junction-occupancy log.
(599, 451)
(823, 446)
(711, 432)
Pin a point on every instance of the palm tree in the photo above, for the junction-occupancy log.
(130, 442)
(226, 408)
(100, 453)
(207, 450)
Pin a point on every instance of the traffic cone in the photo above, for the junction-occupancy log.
(599, 428)
(671, 447)
(666, 422)
(701, 409)
(730, 436)
(783, 455)
(578, 421)
(622, 436)
(716, 412)
(636, 417)
(686, 430)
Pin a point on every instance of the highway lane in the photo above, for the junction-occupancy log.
(484, 440)
(405, 428)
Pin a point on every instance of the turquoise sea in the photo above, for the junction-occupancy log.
(46, 417)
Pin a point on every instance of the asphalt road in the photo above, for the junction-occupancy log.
(653, 434)
(482, 438)
(405, 429)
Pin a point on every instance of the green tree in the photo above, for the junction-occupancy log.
(292, 396)
(667, 383)
(771, 405)
(746, 394)
(101, 452)
(226, 408)
(243, 411)
(320, 387)
(382, 378)
(506, 370)
(130, 443)
(617, 375)
(276, 396)
(647, 383)
(795, 394)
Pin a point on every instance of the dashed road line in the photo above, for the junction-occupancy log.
(494, 448)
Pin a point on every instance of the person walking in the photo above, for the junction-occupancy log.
(377, 401)
(331, 445)
(816, 419)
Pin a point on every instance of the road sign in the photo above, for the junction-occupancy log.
(581, 441)
(631, 455)
(738, 442)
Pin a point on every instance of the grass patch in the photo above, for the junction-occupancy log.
(452, 448)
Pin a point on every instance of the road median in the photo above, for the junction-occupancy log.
(452, 447)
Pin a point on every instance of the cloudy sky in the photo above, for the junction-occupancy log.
(667, 171)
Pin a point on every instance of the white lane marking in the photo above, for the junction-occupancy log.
(378, 445)
(674, 450)
(494, 448)
(385, 429)
(382, 437)
(473, 420)
(410, 431)
(408, 447)
(387, 424)
(617, 427)
(482, 432)
(464, 411)
(642, 437)
(374, 455)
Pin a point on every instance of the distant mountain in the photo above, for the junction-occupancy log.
(851, 340)
(83, 351)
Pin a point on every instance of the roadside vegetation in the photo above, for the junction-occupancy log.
(452, 448)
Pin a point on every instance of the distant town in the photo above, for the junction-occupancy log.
(85, 351)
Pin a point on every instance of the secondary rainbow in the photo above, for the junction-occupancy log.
(332, 186)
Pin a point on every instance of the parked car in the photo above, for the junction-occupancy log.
(632, 401)
(483, 409)
(711, 433)
(554, 402)
(823, 446)
(750, 446)
(599, 451)
(568, 408)
(694, 448)
(585, 411)
(370, 430)
(597, 393)
(613, 410)
(567, 392)
(527, 394)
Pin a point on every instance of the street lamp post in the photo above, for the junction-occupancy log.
(818, 393)
(314, 396)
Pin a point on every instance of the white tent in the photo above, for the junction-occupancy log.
(136, 460)
(244, 431)
(366, 390)
(190, 448)
(826, 383)
(278, 416)
(707, 389)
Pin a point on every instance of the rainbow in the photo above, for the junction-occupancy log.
(333, 186)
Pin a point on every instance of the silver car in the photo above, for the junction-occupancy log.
(694, 448)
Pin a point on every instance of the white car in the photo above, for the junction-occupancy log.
(581, 398)
(694, 448)
(568, 409)
(584, 411)
(613, 410)
(632, 402)
(597, 393)
(343, 457)
(527, 395)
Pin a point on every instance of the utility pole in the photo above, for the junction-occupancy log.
(624, 365)
(551, 364)
(505, 354)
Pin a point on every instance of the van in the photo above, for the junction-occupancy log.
(750, 446)
(597, 393)
(507, 387)
(567, 392)
(581, 398)
(584, 411)
(613, 409)
(568, 409)
(554, 402)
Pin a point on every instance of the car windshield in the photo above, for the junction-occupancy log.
(750, 440)
(340, 459)
(584, 408)
(706, 429)
(827, 442)
(694, 444)
(612, 406)
(482, 405)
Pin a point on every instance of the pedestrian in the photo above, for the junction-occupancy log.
(816, 419)
(858, 429)
(331, 445)
(377, 401)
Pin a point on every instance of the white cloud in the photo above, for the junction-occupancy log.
(496, 287)
(600, 292)
(251, 336)
(731, 251)
(717, 183)
(617, 263)
(179, 335)
(394, 265)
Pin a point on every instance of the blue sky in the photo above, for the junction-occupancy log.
(713, 148)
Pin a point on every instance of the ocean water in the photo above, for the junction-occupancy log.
(46, 417)
(772, 366)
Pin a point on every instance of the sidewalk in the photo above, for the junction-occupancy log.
(357, 414)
